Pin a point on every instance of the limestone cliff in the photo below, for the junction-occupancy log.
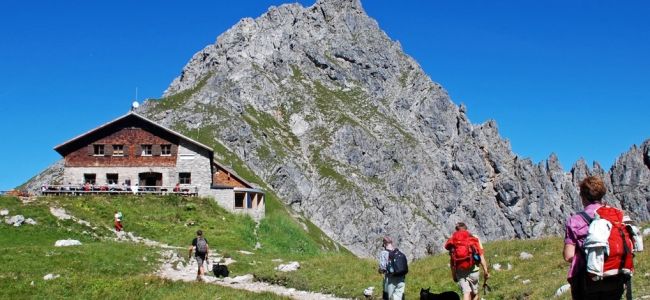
(350, 132)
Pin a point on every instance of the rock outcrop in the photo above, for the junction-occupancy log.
(350, 132)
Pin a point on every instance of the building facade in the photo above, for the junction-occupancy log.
(135, 151)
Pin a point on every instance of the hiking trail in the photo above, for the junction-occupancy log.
(175, 268)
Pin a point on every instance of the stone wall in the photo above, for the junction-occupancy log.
(196, 160)
(75, 175)
(226, 199)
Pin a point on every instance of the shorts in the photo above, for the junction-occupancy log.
(200, 259)
(468, 281)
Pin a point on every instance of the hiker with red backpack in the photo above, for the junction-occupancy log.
(599, 247)
(466, 255)
(201, 249)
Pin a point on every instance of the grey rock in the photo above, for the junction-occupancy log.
(51, 276)
(16, 220)
(66, 243)
(291, 266)
(4, 212)
(351, 133)
(52, 175)
(563, 289)
(525, 256)
(333, 116)
(30, 221)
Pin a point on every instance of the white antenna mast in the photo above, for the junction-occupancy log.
(135, 103)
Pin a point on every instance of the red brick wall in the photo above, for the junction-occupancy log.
(222, 177)
(132, 139)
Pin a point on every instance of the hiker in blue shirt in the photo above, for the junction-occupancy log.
(394, 273)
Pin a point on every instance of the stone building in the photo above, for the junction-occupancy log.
(135, 151)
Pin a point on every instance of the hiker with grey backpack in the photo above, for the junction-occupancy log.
(201, 250)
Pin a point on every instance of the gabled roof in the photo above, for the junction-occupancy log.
(233, 174)
(65, 147)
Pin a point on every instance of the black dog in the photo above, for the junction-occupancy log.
(425, 294)
(220, 270)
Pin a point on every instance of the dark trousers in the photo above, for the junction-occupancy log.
(610, 288)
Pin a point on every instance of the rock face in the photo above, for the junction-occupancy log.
(51, 175)
(350, 132)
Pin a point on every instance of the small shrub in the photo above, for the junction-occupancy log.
(190, 206)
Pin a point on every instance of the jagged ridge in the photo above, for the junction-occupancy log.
(350, 132)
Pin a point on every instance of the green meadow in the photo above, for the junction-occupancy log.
(106, 269)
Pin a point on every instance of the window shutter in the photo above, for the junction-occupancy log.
(155, 150)
(91, 149)
(126, 150)
(174, 149)
(108, 150)
(138, 151)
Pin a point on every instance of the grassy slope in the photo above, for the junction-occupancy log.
(98, 269)
(117, 270)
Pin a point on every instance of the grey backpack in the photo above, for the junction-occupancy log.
(201, 246)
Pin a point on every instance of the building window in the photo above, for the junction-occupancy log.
(239, 200)
(111, 178)
(118, 150)
(146, 150)
(98, 150)
(90, 178)
(166, 150)
(185, 178)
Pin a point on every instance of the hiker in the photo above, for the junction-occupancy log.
(592, 191)
(118, 221)
(395, 271)
(383, 265)
(466, 254)
(200, 245)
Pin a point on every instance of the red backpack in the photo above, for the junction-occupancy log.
(463, 248)
(620, 257)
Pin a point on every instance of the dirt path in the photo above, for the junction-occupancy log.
(176, 268)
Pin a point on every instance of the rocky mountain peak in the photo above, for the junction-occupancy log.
(332, 116)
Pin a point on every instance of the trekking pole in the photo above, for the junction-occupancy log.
(628, 288)
(486, 288)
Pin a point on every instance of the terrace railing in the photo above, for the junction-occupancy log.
(184, 190)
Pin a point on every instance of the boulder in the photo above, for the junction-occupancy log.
(66, 243)
(51, 276)
(563, 289)
(16, 220)
(368, 291)
(290, 267)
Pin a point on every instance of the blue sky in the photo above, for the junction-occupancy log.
(570, 77)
